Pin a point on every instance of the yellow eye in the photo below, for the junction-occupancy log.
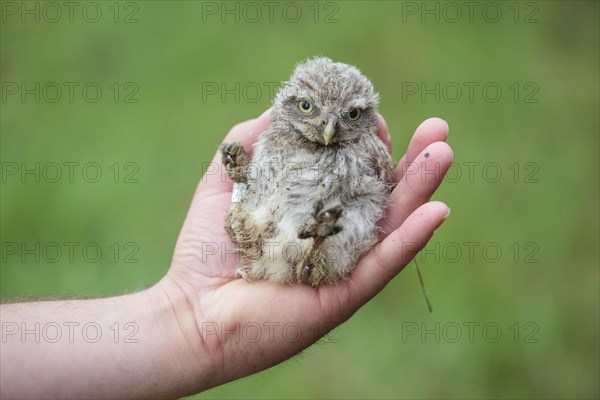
(305, 106)
(353, 114)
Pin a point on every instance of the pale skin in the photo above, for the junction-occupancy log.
(201, 326)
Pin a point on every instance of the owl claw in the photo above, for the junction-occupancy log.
(235, 159)
(241, 273)
(325, 224)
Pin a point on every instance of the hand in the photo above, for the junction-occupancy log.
(236, 328)
(200, 326)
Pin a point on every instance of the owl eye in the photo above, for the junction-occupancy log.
(305, 106)
(353, 114)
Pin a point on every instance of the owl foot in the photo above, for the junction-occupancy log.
(325, 222)
(235, 159)
(303, 271)
(241, 273)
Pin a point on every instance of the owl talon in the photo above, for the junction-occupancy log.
(241, 273)
(235, 159)
(325, 222)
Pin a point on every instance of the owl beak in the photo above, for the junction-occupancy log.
(329, 130)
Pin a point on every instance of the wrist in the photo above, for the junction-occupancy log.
(142, 343)
(182, 355)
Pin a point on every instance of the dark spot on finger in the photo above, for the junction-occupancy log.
(426, 155)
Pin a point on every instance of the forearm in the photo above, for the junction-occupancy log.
(126, 346)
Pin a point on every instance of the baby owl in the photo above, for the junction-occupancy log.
(305, 206)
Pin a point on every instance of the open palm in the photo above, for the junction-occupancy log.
(244, 327)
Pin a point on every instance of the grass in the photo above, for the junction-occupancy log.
(542, 291)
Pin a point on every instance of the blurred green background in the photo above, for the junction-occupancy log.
(158, 119)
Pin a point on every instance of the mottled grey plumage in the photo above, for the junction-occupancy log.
(318, 180)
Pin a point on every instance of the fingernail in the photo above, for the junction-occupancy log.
(447, 215)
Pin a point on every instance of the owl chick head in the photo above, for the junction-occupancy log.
(326, 102)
